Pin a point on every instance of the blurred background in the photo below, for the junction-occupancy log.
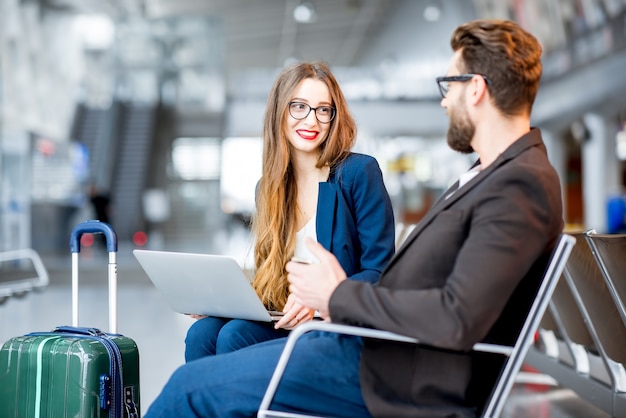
(151, 110)
(148, 114)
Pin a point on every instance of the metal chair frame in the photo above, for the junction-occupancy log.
(515, 354)
(23, 286)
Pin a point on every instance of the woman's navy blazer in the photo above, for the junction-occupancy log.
(355, 218)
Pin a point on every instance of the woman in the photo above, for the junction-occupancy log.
(312, 185)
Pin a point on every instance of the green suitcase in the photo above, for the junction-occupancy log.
(73, 371)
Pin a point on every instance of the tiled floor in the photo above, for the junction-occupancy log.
(159, 332)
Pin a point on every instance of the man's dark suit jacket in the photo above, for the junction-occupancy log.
(467, 273)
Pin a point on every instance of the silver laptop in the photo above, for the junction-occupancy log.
(204, 284)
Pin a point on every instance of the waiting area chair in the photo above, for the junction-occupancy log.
(598, 306)
(564, 336)
(599, 310)
(21, 271)
(514, 355)
(609, 250)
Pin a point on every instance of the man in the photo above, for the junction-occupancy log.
(467, 273)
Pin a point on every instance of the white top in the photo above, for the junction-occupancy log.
(308, 230)
(466, 177)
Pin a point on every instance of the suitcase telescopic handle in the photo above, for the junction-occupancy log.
(95, 227)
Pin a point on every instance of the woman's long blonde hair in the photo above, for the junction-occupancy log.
(274, 223)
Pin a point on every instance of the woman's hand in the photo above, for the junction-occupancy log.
(194, 316)
(294, 314)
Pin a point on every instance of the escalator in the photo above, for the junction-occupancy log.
(119, 140)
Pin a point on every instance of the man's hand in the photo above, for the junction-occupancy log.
(313, 284)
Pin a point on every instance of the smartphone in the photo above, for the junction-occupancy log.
(301, 260)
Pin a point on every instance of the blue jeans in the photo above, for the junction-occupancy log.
(322, 378)
(210, 336)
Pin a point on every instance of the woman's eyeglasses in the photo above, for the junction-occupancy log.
(300, 110)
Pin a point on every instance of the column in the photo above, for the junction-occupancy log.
(600, 173)
(557, 155)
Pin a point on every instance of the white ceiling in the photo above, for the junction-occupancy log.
(349, 33)
(263, 33)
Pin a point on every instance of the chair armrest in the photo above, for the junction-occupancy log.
(347, 330)
(26, 285)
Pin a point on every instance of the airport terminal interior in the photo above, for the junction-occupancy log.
(148, 114)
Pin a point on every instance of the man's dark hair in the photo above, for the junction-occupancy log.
(507, 55)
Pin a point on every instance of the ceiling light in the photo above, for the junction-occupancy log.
(304, 13)
(97, 31)
(432, 13)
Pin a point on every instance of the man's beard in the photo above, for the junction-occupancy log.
(460, 132)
